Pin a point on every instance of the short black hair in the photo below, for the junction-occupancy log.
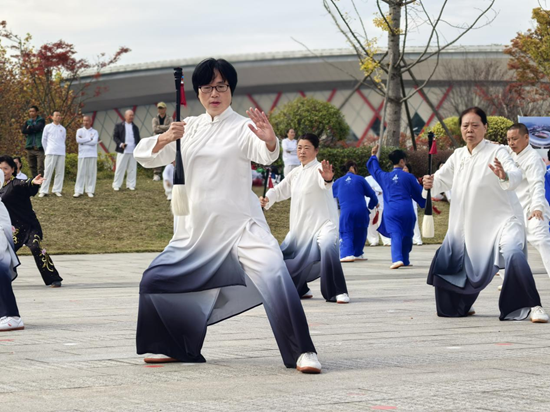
(35, 108)
(396, 156)
(9, 161)
(349, 164)
(312, 138)
(520, 127)
(475, 110)
(205, 72)
(409, 168)
(54, 111)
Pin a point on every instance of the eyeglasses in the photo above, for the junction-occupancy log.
(220, 88)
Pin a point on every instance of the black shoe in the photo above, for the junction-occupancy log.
(56, 284)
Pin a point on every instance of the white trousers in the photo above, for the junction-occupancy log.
(417, 237)
(86, 175)
(53, 164)
(373, 237)
(289, 169)
(125, 163)
(538, 235)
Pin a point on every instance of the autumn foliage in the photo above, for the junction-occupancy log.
(49, 77)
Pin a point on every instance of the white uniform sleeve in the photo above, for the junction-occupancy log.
(280, 192)
(515, 176)
(535, 174)
(256, 150)
(45, 137)
(443, 178)
(144, 155)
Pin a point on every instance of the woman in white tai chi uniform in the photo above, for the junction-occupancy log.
(222, 259)
(486, 229)
(311, 248)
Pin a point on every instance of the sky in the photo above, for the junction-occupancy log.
(157, 30)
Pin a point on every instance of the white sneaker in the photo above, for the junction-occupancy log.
(132, 188)
(57, 194)
(499, 288)
(348, 259)
(396, 265)
(11, 323)
(343, 298)
(90, 194)
(472, 311)
(41, 194)
(362, 257)
(116, 189)
(538, 315)
(307, 295)
(308, 363)
(76, 195)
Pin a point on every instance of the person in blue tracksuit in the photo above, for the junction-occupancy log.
(398, 220)
(350, 190)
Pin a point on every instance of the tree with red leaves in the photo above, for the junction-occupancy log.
(49, 77)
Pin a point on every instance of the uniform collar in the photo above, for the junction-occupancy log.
(311, 164)
(226, 113)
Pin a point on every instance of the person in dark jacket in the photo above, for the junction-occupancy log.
(126, 137)
(32, 129)
(15, 195)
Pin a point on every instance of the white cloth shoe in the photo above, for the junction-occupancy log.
(472, 311)
(8, 323)
(343, 298)
(348, 259)
(362, 257)
(499, 288)
(132, 188)
(156, 178)
(538, 315)
(307, 295)
(90, 194)
(57, 194)
(42, 195)
(308, 363)
(116, 189)
(76, 195)
(396, 265)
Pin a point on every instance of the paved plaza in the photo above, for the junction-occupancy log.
(387, 350)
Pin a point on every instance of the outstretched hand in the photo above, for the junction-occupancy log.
(262, 128)
(327, 172)
(38, 180)
(498, 169)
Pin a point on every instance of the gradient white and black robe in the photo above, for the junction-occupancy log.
(198, 279)
(311, 247)
(484, 215)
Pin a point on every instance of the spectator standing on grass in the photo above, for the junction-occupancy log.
(161, 124)
(290, 156)
(53, 141)
(15, 195)
(35, 152)
(19, 163)
(126, 136)
(86, 176)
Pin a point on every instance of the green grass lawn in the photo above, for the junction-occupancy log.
(139, 221)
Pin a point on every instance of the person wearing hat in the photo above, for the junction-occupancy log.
(161, 124)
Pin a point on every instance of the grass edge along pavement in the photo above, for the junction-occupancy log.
(137, 221)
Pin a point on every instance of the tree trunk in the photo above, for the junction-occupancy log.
(393, 92)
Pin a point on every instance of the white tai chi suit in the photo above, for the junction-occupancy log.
(222, 259)
(311, 247)
(168, 180)
(53, 142)
(373, 235)
(86, 175)
(486, 232)
(290, 155)
(531, 195)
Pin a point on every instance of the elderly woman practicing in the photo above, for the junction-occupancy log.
(486, 229)
(311, 246)
(222, 259)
